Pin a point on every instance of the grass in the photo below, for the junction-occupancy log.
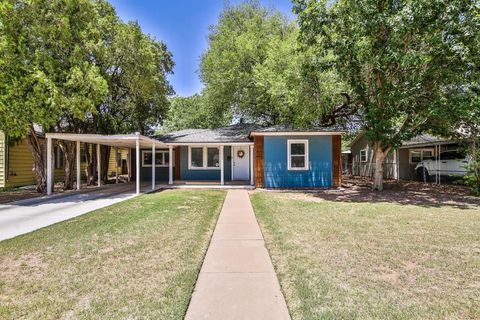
(135, 259)
(339, 260)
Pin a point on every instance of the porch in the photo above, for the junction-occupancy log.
(165, 164)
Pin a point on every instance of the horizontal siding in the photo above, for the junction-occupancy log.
(2, 159)
(21, 166)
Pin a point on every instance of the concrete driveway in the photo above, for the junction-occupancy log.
(27, 215)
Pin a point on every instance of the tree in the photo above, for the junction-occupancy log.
(253, 70)
(192, 112)
(72, 66)
(46, 68)
(136, 68)
(400, 59)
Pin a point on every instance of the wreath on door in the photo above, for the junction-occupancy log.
(240, 153)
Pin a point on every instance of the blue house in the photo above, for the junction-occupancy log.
(264, 157)
(241, 154)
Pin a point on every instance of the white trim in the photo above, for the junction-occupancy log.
(163, 152)
(222, 178)
(49, 166)
(251, 166)
(366, 155)
(422, 150)
(231, 163)
(298, 133)
(99, 166)
(289, 154)
(204, 158)
(170, 164)
(137, 166)
(78, 165)
(209, 144)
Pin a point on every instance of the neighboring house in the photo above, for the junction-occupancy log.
(17, 166)
(401, 163)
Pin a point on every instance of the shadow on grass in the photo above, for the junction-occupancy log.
(404, 193)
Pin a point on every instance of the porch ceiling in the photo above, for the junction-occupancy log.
(123, 140)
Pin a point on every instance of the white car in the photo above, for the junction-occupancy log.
(451, 163)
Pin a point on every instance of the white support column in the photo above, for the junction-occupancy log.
(222, 180)
(153, 166)
(116, 165)
(49, 166)
(251, 166)
(129, 165)
(137, 162)
(170, 164)
(99, 166)
(78, 166)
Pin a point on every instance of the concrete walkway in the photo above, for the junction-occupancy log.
(237, 279)
(28, 215)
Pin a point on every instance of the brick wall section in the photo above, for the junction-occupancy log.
(258, 158)
(337, 160)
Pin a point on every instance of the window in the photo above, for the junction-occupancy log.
(161, 158)
(363, 155)
(203, 158)
(196, 158)
(418, 155)
(297, 154)
(213, 158)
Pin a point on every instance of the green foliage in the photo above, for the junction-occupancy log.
(192, 112)
(71, 65)
(399, 58)
(254, 70)
(472, 177)
(46, 64)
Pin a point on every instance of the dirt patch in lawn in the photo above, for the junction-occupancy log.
(400, 192)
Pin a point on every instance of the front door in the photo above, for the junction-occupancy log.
(240, 163)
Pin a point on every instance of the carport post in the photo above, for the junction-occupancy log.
(251, 165)
(129, 164)
(116, 165)
(78, 165)
(49, 166)
(153, 166)
(222, 181)
(170, 164)
(99, 166)
(137, 162)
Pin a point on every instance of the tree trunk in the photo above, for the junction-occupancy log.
(91, 158)
(105, 155)
(68, 150)
(39, 161)
(380, 155)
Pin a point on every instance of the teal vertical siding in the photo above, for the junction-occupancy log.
(276, 171)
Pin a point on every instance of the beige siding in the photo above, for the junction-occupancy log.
(123, 153)
(20, 166)
(2, 159)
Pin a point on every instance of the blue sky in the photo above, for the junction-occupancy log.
(183, 26)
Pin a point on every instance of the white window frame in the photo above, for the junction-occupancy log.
(366, 155)
(204, 158)
(421, 152)
(289, 154)
(157, 152)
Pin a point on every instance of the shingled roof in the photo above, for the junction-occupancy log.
(231, 134)
(234, 133)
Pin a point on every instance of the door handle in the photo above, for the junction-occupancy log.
(444, 161)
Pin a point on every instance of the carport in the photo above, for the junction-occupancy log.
(131, 141)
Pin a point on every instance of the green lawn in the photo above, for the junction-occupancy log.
(135, 259)
(346, 260)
